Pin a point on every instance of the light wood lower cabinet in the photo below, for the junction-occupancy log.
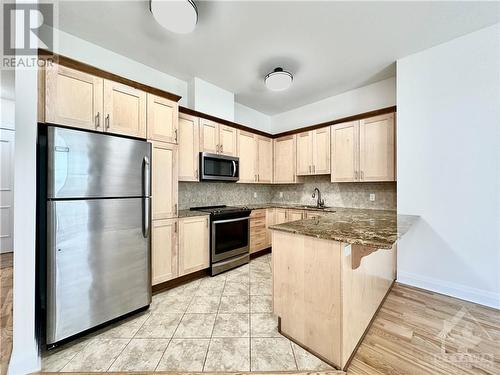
(258, 230)
(124, 109)
(194, 253)
(164, 180)
(164, 263)
(189, 147)
(269, 222)
(162, 119)
(73, 98)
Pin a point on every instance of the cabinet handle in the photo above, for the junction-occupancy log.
(314, 169)
(175, 227)
(258, 177)
(175, 132)
(196, 174)
(221, 148)
(97, 120)
(107, 121)
(362, 175)
(175, 208)
(355, 175)
(217, 148)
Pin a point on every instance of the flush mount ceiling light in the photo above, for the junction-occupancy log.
(178, 16)
(278, 80)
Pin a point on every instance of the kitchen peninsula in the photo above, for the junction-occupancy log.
(330, 275)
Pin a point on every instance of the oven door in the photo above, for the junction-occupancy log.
(216, 167)
(230, 237)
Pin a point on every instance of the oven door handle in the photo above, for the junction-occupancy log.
(231, 220)
(234, 168)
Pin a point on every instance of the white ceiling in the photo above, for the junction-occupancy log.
(330, 47)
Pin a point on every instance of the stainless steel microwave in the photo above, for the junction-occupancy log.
(215, 167)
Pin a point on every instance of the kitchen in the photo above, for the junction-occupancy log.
(173, 237)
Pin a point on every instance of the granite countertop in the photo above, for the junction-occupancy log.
(189, 213)
(375, 228)
(297, 206)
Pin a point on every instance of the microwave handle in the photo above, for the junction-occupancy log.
(234, 168)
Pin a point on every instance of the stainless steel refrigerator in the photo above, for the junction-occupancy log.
(98, 230)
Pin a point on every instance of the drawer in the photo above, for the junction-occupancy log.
(258, 214)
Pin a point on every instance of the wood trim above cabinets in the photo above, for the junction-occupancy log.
(70, 63)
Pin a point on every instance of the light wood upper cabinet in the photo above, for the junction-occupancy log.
(376, 148)
(265, 158)
(124, 109)
(321, 151)
(313, 152)
(164, 262)
(227, 140)
(284, 159)
(364, 150)
(304, 153)
(194, 254)
(164, 180)
(189, 147)
(247, 152)
(345, 152)
(162, 119)
(73, 98)
(209, 136)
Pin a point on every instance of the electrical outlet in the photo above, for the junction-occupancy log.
(372, 197)
(255, 194)
(281, 194)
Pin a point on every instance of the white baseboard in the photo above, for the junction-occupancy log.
(479, 296)
(24, 363)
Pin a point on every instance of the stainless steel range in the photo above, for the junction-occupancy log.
(229, 237)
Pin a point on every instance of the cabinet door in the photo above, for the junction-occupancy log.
(321, 151)
(125, 109)
(304, 153)
(164, 180)
(294, 215)
(209, 136)
(280, 215)
(258, 235)
(162, 119)
(247, 151)
(269, 222)
(344, 157)
(265, 160)
(227, 140)
(376, 148)
(73, 98)
(164, 265)
(194, 252)
(284, 160)
(189, 147)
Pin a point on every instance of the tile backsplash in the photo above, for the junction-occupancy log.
(355, 195)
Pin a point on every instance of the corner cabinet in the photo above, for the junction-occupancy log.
(164, 180)
(189, 147)
(364, 150)
(164, 250)
(284, 149)
(217, 138)
(194, 252)
(162, 119)
(313, 152)
(255, 153)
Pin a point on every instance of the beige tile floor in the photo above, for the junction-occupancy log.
(221, 323)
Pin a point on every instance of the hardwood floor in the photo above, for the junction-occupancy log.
(5, 310)
(420, 332)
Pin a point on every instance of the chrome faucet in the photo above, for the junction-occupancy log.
(320, 202)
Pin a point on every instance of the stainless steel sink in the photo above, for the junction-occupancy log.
(314, 206)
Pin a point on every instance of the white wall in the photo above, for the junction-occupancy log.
(89, 53)
(448, 100)
(250, 117)
(367, 98)
(7, 109)
(213, 100)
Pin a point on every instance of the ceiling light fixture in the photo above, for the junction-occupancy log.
(278, 80)
(178, 16)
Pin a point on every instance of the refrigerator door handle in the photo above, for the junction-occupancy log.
(146, 219)
(146, 177)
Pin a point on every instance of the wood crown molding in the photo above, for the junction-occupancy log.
(360, 116)
(70, 63)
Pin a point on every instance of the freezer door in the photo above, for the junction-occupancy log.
(98, 263)
(91, 165)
